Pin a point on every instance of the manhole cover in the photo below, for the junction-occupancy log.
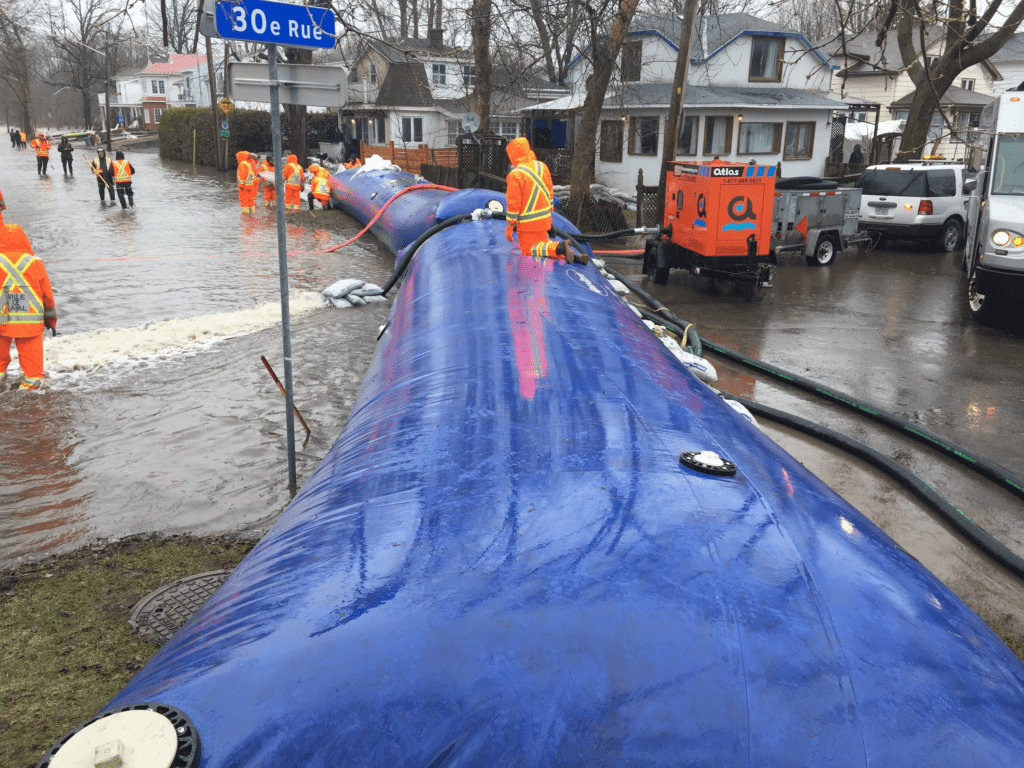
(160, 614)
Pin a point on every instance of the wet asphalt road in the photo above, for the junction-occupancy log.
(190, 437)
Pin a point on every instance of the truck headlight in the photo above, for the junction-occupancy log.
(1001, 237)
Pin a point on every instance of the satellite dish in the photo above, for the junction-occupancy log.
(471, 121)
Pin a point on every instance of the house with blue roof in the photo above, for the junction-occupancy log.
(755, 91)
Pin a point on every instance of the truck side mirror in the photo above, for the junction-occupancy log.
(970, 185)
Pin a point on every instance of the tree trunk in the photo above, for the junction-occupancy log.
(481, 28)
(87, 108)
(296, 115)
(605, 52)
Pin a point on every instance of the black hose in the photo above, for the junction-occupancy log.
(665, 317)
(606, 236)
(979, 464)
(411, 250)
(973, 532)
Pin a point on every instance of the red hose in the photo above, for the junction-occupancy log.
(373, 221)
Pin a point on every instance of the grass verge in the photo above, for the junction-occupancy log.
(65, 644)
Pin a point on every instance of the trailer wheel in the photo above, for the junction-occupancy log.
(657, 275)
(979, 307)
(824, 252)
(949, 239)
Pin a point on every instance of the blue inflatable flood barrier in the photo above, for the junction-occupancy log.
(503, 562)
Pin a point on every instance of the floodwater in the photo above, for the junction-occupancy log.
(159, 416)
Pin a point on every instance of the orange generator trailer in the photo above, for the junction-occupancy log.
(718, 224)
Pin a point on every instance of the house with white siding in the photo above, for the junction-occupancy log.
(143, 96)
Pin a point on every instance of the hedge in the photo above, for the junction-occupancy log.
(250, 130)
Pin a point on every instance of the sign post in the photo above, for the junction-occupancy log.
(295, 26)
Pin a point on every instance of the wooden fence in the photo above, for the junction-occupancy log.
(411, 159)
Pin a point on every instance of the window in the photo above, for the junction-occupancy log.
(933, 62)
(941, 182)
(509, 129)
(373, 73)
(440, 74)
(468, 75)
(370, 130)
(935, 127)
(759, 138)
(145, 114)
(966, 123)
(631, 53)
(687, 144)
(799, 141)
(611, 141)
(412, 129)
(643, 135)
(967, 84)
(766, 58)
(157, 86)
(156, 115)
(718, 135)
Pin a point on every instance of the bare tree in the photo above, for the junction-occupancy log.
(604, 54)
(15, 58)
(480, 23)
(965, 45)
(175, 23)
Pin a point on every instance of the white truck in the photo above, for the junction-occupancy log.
(994, 245)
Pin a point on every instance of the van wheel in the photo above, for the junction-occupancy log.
(824, 252)
(978, 306)
(949, 239)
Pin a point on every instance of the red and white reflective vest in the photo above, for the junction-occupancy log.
(26, 298)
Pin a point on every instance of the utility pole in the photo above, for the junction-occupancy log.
(106, 91)
(675, 110)
(213, 104)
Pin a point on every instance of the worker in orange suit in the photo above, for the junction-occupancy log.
(3, 207)
(26, 306)
(247, 183)
(269, 190)
(530, 199)
(42, 148)
(319, 186)
(293, 183)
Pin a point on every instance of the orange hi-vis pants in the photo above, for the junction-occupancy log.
(269, 194)
(30, 355)
(537, 244)
(247, 197)
(293, 197)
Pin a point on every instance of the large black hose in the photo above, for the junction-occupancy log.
(665, 316)
(979, 464)
(949, 511)
(605, 236)
(401, 266)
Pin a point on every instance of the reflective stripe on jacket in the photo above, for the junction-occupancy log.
(529, 198)
(246, 175)
(25, 294)
(293, 175)
(42, 147)
(122, 171)
(321, 187)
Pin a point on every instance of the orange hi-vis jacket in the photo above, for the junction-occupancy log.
(264, 166)
(41, 146)
(293, 175)
(320, 185)
(26, 298)
(122, 171)
(529, 193)
(246, 173)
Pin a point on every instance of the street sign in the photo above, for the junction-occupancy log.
(226, 105)
(224, 124)
(263, 21)
(226, 134)
(303, 84)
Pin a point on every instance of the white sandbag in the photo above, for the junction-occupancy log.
(700, 367)
(741, 409)
(343, 288)
(340, 303)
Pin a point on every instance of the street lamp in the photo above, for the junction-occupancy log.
(106, 83)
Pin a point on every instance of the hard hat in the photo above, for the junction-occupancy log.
(14, 240)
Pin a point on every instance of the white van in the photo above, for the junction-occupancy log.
(914, 201)
(994, 250)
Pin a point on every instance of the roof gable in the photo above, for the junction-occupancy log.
(178, 63)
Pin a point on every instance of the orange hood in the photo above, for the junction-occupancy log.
(292, 159)
(519, 151)
(241, 157)
(14, 241)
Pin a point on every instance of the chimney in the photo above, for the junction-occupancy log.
(436, 37)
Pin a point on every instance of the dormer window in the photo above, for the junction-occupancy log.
(631, 60)
(766, 59)
(373, 73)
(440, 74)
(468, 75)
